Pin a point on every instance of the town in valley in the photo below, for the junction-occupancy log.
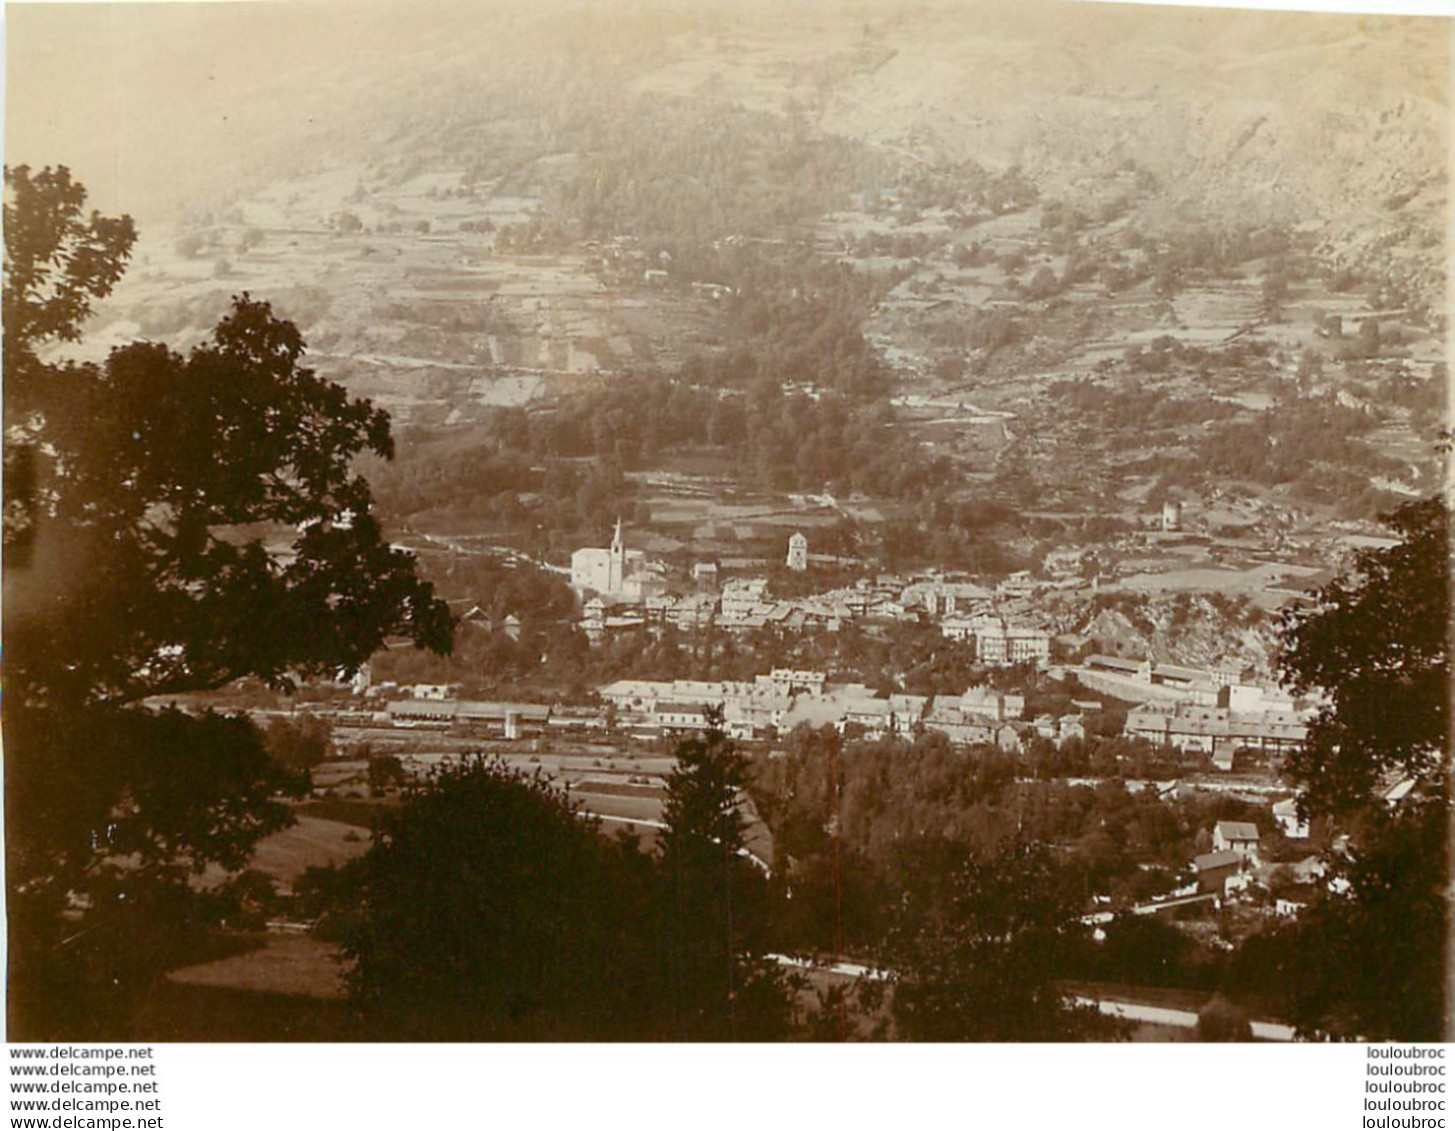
(952, 411)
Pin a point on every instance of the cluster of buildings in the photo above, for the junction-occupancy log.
(1229, 684)
(1218, 731)
(513, 720)
(998, 644)
(784, 699)
(1214, 711)
(1234, 853)
(620, 590)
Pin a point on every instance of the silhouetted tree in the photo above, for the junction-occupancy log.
(715, 912)
(975, 949)
(489, 909)
(185, 522)
(57, 260)
(1376, 644)
(1369, 960)
(299, 744)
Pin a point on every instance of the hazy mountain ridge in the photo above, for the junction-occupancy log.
(447, 115)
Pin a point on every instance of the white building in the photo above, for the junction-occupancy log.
(1001, 645)
(1236, 836)
(1285, 816)
(611, 572)
(742, 596)
(798, 552)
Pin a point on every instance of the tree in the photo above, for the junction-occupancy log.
(205, 525)
(57, 260)
(108, 814)
(385, 770)
(976, 945)
(299, 744)
(715, 902)
(184, 522)
(1376, 644)
(488, 909)
(1368, 959)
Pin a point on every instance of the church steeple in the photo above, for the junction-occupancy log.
(616, 563)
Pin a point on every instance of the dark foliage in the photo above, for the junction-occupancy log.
(180, 522)
(1377, 643)
(975, 947)
(108, 815)
(716, 904)
(489, 909)
(57, 260)
(179, 484)
(1367, 959)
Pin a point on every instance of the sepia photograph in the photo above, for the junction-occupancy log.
(869, 521)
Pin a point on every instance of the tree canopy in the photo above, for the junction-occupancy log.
(976, 944)
(1368, 958)
(57, 260)
(488, 908)
(1376, 644)
(172, 523)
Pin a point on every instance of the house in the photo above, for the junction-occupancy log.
(1285, 816)
(704, 575)
(683, 715)
(1232, 673)
(988, 703)
(742, 596)
(422, 712)
(960, 728)
(1236, 836)
(873, 714)
(434, 692)
(905, 711)
(1214, 869)
(1399, 791)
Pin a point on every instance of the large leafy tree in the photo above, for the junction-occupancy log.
(487, 908)
(174, 523)
(57, 260)
(204, 523)
(1368, 958)
(1375, 644)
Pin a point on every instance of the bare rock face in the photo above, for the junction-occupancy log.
(1295, 118)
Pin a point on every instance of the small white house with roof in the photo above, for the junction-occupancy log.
(1236, 836)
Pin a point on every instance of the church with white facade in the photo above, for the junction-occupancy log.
(612, 572)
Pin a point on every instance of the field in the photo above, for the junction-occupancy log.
(413, 307)
(311, 842)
